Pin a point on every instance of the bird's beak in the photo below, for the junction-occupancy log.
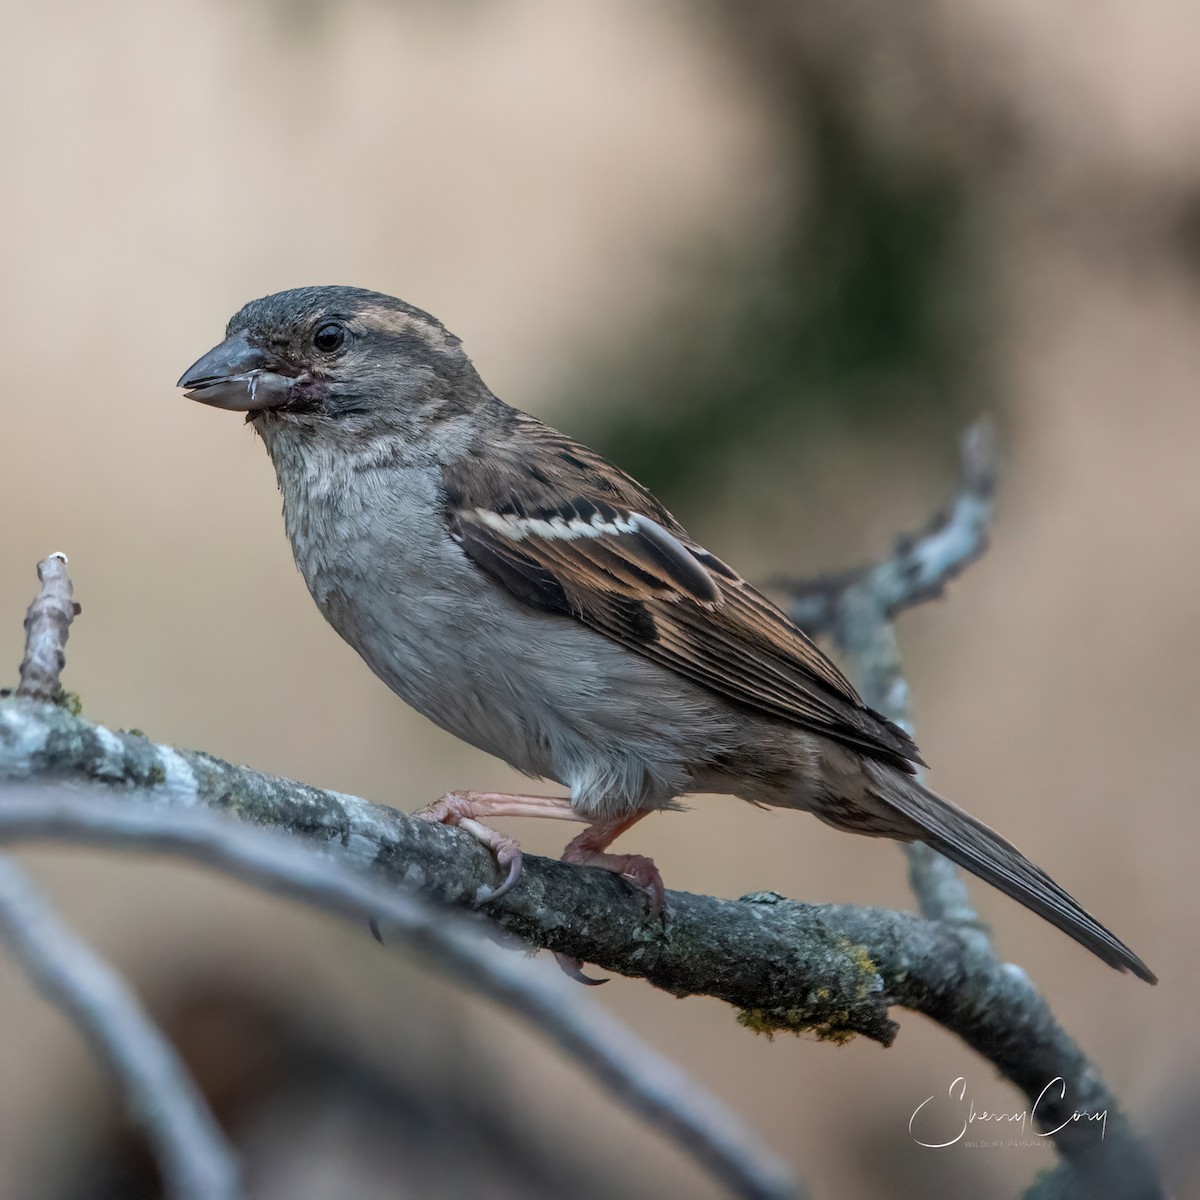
(240, 377)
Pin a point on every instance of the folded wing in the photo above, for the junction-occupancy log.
(568, 533)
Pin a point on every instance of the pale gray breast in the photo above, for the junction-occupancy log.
(542, 692)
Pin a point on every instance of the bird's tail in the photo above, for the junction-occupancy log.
(982, 851)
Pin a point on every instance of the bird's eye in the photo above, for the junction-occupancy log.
(329, 337)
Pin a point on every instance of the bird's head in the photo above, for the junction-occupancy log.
(335, 358)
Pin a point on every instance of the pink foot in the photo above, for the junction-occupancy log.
(589, 849)
(463, 810)
(637, 868)
(458, 810)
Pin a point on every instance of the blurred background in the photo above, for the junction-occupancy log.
(771, 257)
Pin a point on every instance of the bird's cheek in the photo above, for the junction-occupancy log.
(309, 394)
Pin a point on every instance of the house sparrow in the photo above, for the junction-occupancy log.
(538, 603)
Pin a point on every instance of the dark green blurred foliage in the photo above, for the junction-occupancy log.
(862, 307)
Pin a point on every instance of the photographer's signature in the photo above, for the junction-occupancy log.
(942, 1126)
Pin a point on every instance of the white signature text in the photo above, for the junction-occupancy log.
(941, 1126)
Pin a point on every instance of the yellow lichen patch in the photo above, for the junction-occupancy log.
(817, 1017)
(824, 1025)
(861, 959)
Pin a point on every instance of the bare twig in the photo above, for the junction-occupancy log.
(47, 627)
(640, 1077)
(857, 609)
(196, 1161)
(921, 564)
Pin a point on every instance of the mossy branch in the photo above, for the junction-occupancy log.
(834, 970)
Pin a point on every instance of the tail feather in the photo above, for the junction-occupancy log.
(982, 851)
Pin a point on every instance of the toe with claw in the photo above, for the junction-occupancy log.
(572, 968)
(590, 848)
(462, 810)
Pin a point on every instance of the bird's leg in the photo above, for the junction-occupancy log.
(463, 810)
(589, 850)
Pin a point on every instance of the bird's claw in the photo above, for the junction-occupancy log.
(455, 809)
(573, 969)
(642, 872)
(637, 868)
(507, 854)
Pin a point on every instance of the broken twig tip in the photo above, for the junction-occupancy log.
(47, 627)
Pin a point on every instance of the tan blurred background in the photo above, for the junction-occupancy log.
(772, 264)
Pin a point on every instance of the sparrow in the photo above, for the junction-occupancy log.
(530, 597)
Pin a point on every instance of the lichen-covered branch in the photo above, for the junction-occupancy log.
(640, 1077)
(592, 915)
(196, 1163)
(830, 969)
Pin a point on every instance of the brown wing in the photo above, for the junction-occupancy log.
(568, 533)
